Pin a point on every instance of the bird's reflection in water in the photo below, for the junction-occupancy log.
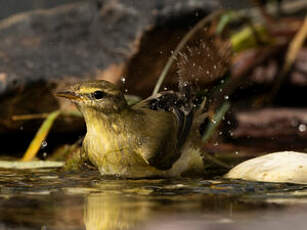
(132, 204)
(105, 211)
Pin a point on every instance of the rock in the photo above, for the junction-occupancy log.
(14, 6)
(45, 49)
(286, 126)
(281, 167)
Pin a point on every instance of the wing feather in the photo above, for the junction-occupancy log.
(182, 111)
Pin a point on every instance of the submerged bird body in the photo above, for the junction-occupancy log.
(142, 140)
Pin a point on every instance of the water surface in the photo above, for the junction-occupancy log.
(51, 199)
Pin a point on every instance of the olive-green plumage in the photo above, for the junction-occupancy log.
(142, 140)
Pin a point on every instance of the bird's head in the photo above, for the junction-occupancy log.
(96, 95)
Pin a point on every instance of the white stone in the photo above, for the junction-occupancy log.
(288, 166)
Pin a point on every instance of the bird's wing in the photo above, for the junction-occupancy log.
(182, 111)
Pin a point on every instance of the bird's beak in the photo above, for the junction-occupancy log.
(68, 94)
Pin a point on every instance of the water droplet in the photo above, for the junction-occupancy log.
(236, 152)
(220, 133)
(214, 67)
(45, 155)
(221, 90)
(126, 90)
(139, 142)
(44, 144)
(302, 127)
(226, 97)
(228, 122)
(165, 88)
(123, 80)
(222, 81)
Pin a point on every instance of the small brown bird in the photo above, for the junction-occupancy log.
(144, 140)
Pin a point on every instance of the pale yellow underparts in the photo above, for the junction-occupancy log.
(117, 146)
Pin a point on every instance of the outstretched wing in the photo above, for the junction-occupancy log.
(182, 111)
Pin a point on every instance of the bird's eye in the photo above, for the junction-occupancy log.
(98, 94)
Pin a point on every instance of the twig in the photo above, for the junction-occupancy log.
(43, 115)
(216, 121)
(181, 44)
(30, 116)
(211, 129)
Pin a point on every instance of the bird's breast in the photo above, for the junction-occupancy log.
(115, 154)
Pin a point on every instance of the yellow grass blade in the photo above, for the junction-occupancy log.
(40, 136)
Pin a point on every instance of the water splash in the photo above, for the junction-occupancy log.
(44, 144)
